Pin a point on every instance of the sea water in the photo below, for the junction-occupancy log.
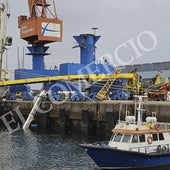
(43, 150)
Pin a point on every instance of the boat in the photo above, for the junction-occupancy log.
(137, 142)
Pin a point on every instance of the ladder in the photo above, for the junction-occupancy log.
(101, 95)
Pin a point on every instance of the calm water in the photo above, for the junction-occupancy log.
(37, 150)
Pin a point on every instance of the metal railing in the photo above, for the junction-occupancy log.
(152, 149)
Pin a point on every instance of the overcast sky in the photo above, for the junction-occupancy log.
(119, 21)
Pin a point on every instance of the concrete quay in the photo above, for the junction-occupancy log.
(88, 115)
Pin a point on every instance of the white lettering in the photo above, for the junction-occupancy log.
(140, 44)
(136, 47)
(8, 122)
(116, 54)
(133, 45)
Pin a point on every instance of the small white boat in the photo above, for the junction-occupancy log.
(134, 144)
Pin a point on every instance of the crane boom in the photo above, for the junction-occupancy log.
(33, 8)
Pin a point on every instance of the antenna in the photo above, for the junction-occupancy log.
(120, 109)
(8, 10)
(94, 29)
(94, 54)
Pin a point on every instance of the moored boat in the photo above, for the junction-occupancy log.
(135, 143)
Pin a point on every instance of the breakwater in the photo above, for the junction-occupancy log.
(88, 115)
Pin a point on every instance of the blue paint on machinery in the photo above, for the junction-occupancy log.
(19, 91)
(79, 96)
(87, 65)
(48, 30)
(115, 92)
(86, 42)
(62, 86)
(38, 53)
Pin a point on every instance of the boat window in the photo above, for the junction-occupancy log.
(117, 138)
(142, 138)
(155, 137)
(112, 137)
(161, 137)
(135, 139)
(126, 138)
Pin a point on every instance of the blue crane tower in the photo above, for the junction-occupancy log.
(86, 42)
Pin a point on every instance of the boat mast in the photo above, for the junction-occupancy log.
(138, 105)
(140, 99)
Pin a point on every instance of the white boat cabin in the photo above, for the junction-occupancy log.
(145, 137)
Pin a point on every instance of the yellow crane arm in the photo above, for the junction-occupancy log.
(133, 82)
(103, 92)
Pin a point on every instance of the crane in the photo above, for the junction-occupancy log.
(41, 27)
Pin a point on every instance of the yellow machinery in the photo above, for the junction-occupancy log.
(103, 92)
(89, 77)
(160, 88)
(160, 79)
(133, 82)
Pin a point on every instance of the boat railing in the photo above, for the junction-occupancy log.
(164, 126)
(125, 122)
(160, 125)
(152, 149)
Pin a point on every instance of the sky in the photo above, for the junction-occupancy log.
(132, 31)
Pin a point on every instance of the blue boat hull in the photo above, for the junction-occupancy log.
(110, 158)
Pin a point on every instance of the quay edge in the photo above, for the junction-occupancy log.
(88, 115)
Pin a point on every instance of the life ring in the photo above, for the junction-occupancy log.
(149, 139)
(163, 148)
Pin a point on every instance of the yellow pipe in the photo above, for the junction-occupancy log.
(89, 77)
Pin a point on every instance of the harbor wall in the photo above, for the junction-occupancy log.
(89, 115)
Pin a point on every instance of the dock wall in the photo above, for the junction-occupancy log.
(89, 115)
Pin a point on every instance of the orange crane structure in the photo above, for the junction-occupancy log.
(42, 26)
